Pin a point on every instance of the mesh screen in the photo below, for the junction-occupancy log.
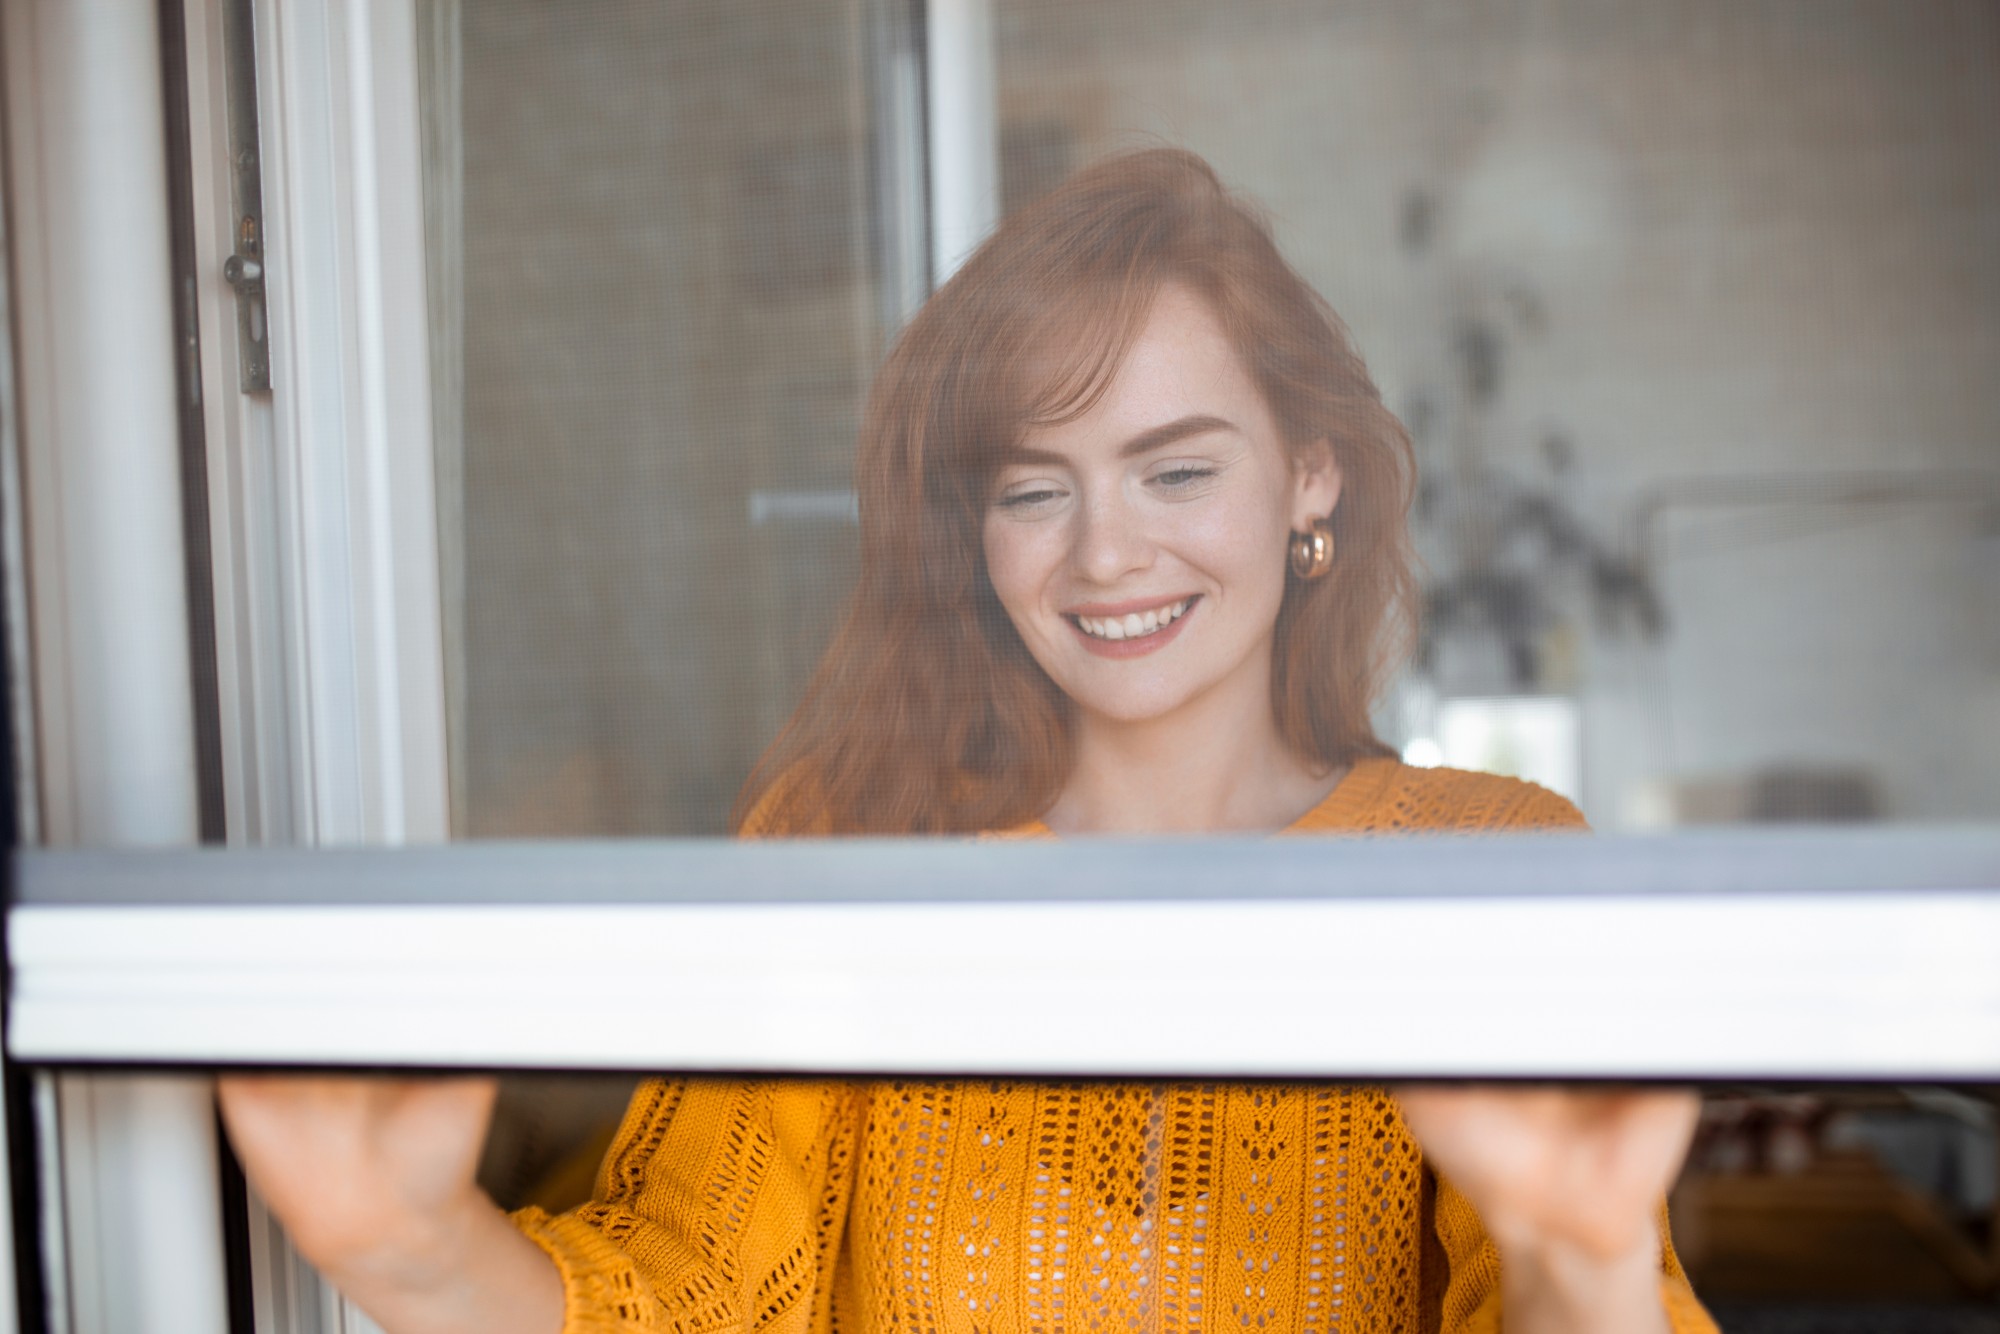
(1691, 309)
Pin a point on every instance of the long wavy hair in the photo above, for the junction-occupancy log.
(927, 714)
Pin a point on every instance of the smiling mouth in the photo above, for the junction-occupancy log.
(1133, 625)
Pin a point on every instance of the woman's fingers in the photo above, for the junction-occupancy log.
(1585, 1167)
(348, 1164)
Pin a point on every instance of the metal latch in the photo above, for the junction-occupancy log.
(244, 270)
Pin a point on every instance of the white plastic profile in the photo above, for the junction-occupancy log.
(354, 488)
(963, 129)
(1764, 955)
(139, 1226)
(101, 437)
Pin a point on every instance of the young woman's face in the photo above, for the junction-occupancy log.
(1140, 550)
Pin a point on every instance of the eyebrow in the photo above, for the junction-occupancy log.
(1148, 440)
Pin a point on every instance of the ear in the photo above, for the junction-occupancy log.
(1315, 484)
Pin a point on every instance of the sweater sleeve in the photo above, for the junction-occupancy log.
(1472, 1288)
(1545, 811)
(719, 1207)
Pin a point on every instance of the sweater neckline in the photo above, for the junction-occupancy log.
(1359, 790)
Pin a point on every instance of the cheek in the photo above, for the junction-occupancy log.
(1241, 541)
(1017, 563)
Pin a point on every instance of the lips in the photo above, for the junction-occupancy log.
(1127, 630)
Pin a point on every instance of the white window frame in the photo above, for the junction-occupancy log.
(324, 499)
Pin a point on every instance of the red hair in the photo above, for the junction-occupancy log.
(927, 714)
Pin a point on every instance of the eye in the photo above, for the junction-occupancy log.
(1029, 496)
(1184, 476)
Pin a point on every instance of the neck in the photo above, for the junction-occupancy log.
(1217, 764)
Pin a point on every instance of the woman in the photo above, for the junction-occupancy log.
(1133, 555)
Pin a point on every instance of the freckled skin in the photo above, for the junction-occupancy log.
(1207, 515)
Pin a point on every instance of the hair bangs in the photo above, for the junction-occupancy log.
(1080, 351)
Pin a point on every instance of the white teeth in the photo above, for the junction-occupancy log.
(1135, 625)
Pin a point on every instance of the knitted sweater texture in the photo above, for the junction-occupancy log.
(1004, 1207)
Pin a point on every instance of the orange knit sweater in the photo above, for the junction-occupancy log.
(1002, 1207)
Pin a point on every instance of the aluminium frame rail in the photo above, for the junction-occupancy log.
(1765, 954)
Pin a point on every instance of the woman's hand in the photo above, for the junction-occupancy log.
(374, 1181)
(1567, 1183)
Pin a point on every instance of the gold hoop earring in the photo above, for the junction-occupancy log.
(1312, 551)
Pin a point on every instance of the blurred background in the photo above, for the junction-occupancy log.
(1692, 307)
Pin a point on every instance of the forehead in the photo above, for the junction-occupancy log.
(1180, 362)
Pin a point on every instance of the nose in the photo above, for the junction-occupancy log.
(1111, 539)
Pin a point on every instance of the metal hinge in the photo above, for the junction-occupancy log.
(244, 270)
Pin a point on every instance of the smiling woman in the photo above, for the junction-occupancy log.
(1124, 401)
(1133, 549)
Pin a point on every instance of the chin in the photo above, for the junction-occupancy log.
(1126, 714)
(1129, 706)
